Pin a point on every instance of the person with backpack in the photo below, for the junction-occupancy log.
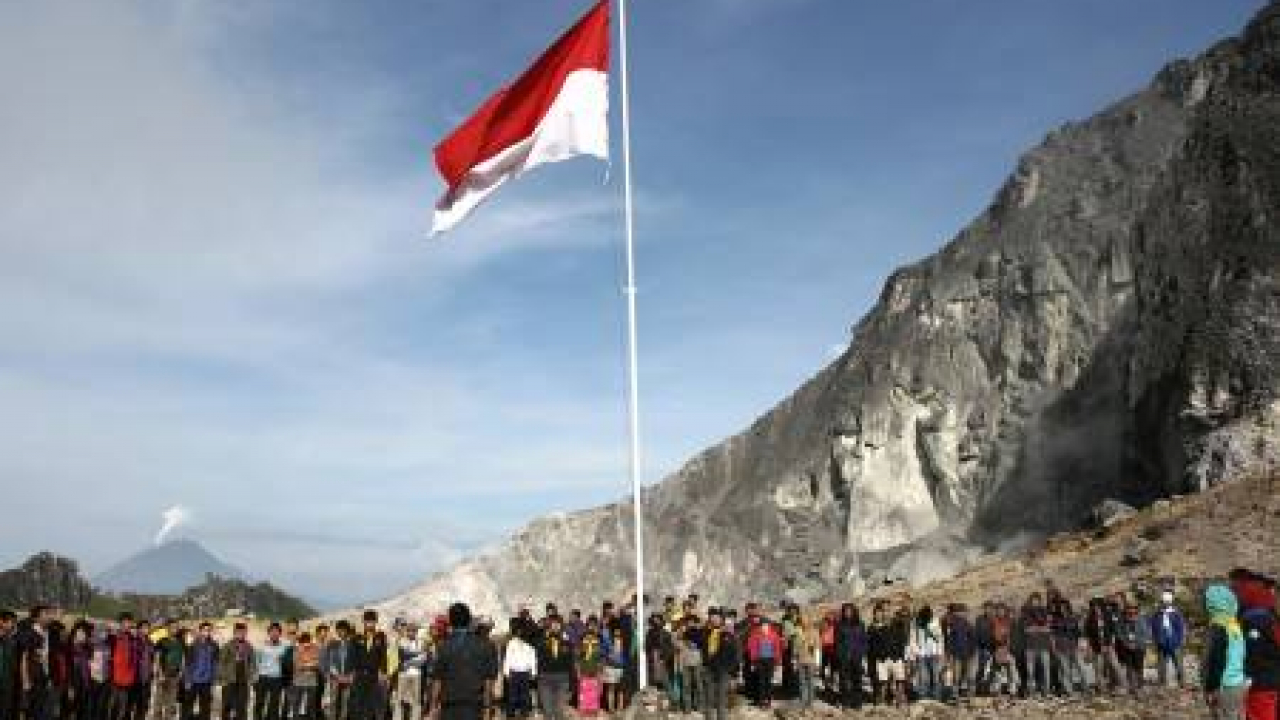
(925, 650)
(849, 653)
(1222, 671)
(464, 669)
(958, 636)
(1169, 635)
(720, 662)
(765, 646)
(199, 674)
(1257, 596)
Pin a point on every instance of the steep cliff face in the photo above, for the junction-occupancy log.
(1108, 328)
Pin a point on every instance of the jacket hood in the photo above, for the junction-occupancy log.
(1219, 600)
(1257, 595)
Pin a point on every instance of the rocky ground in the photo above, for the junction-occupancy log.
(1165, 704)
(1183, 543)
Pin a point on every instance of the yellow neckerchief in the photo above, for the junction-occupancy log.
(713, 641)
(554, 646)
(1229, 623)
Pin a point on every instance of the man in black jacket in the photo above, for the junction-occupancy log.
(368, 662)
(720, 659)
(555, 669)
(463, 670)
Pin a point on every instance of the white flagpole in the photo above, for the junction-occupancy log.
(633, 389)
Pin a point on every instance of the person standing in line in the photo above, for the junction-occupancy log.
(764, 646)
(1169, 635)
(721, 658)
(463, 671)
(589, 665)
(554, 663)
(849, 652)
(124, 667)
(168, 670)
(8, 664)
(237, 672)
(369, 666)
(199, 674)
(339, 670)
(1133, 639)
(1038, 632)
(306, 678)
(805, 650)
(926, 649)
(519, 669)
(269, 688)
(144, 672)
(958, 637)
(1222, 674)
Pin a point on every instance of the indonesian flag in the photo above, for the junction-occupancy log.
(558, 109)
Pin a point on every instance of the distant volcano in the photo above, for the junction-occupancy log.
(166, 569)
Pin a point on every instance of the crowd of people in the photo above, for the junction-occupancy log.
(700, 658)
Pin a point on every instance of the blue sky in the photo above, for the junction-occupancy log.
(216, 289)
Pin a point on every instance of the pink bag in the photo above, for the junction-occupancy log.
(588, 695)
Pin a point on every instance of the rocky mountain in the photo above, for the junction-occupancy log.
(1108, 328)
(166, 569)
(44, 579)
(215, 596)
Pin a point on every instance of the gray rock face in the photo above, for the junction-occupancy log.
(44, 579)
(1108, 328)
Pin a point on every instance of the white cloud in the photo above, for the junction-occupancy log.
(174, 237)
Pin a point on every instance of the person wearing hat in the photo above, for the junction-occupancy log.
(370, 671)
(720, 657)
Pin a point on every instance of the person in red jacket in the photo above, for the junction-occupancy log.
(764, 646)
(123, 669)
(1261, 626)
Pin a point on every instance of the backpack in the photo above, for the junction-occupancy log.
(1262, 645)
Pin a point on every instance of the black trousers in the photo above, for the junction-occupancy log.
(267, 696)
(851, 685)
(763, 670)
(367, 699)
(197, 702)
(461, 712)
(235, 701)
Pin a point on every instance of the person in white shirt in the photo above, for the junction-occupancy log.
(519, 668)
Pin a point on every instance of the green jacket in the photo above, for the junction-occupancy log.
(227, 664)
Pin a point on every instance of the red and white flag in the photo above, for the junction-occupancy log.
(558, 109)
